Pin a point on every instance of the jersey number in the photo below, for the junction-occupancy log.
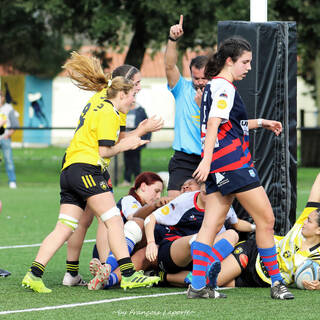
(82, 117)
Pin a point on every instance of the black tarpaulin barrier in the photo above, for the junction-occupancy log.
(269, 91)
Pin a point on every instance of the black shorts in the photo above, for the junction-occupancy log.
(181, 167)
(165, 262)
(228, 182)
(80, 181)
(246, 253)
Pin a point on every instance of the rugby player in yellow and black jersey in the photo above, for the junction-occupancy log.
(302, 242)
(82, 182)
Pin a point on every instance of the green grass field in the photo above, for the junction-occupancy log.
(29, 214)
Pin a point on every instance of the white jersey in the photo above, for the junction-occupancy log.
(128, 205)
(184, 213)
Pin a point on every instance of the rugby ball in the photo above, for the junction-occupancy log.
(309, 271)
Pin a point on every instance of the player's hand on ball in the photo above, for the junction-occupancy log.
(311, 285)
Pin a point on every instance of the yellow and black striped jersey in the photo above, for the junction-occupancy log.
(99, 125)
(288, 248)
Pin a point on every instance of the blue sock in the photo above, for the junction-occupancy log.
(221, 250)
(269, 259)
(113, 280)
(112, 259)
(200, 255)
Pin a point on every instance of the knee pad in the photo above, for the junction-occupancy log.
(68, 221)
(114, 211)
(132, 231)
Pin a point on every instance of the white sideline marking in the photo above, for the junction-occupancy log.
(91, 303)
(34, 245)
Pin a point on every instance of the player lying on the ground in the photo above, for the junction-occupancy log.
(141, 201)
(146, 192)
(244, 268)
(182, 218)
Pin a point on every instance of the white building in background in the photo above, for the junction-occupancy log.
(68, 102)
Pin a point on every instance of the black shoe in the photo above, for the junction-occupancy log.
(280, 291)
(206, 293)
(4, 273)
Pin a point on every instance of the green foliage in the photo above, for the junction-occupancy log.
(307, 15)
(27, 42)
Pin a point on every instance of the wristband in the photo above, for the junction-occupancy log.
(259, 122)
(171, 39)
(253, 227)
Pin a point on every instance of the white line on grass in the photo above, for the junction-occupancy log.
(33, 245)
(65, 306)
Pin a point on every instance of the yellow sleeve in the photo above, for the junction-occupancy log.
(123, 121)
(108, 125)
(311, 206)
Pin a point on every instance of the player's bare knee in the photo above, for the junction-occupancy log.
(232, 236)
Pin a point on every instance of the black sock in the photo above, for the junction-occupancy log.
(126, 267)
(73, 267)
(37, 269)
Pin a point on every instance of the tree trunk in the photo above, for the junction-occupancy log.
(138, 45)
(317, 84)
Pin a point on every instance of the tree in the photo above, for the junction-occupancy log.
(138, 24)
(307, 15)
(26, 42)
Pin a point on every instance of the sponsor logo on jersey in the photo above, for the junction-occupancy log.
(243, 258)
(134, 206)
(219, 177)
(245, 128)
(222, 104)
(165, 210)
(223, 95)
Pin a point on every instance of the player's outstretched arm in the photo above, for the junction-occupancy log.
(314, 195)
(272, 125)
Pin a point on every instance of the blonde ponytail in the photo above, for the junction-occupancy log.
(87, 74)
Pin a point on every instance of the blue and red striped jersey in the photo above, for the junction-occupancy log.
(222, 100)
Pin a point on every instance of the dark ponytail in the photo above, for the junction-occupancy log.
(231, 47)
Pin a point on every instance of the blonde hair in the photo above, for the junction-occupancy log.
(87, 74)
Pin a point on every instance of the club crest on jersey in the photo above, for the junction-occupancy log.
(252, 173)
(222, 104)
(238, 250)
(223, 95)
(103, 185)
